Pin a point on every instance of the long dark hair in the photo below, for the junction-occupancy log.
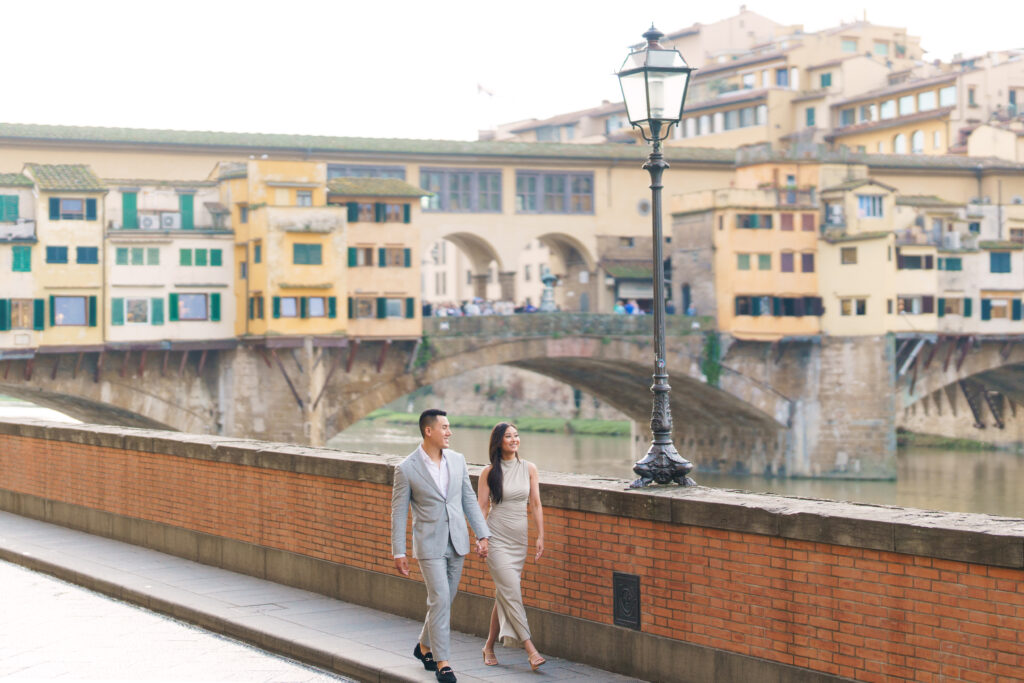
(495, 476)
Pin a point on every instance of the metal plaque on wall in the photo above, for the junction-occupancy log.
(626, 600)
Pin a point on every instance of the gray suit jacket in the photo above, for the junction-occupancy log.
(434, 519)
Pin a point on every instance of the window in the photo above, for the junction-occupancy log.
(926, 100)
(888, 109)
(899, 144)
(136, 311)
(999, 309)
(869, 205)
(186, 205)
(906, 105)
(807, 262)
(153, 256)
(825, 80)
(809, 116)
(257, 252)
(915, 305)
(853, 306)
(807, 222)
(947, 96)
(138, 256)
(782, 77)
(243, 270)
(951, 263)
(999, 262)
(191, 306)
(749, 81)
(526, 273)
(732, 119)
(307, 254)
(974, 227)
(971, 96)
(691, 127)
(785, 221)
(243, 214)
(395, 257)
(764, 261)
(360, 171)
(786, 262)
(462, 190)
(56, 254)
(913, 261)
(21, 259)
(917, 142)
(951, 306)
(393, 308)
(185, 257)
(847, 117)
(316, 307)
(626, 242)
(360, 256)
(848, 45)
(304, 198)
(256, 308)
(848, 256)
(554, 192)
(936, 140)
(73, 209)
(705, 124)
(754, 221)
(8, 208)
(366, 212)
(22, 314)
(743, 261)
(68, 310)
(362, 307)
(778, 306)
(881, 49)
(868, 113)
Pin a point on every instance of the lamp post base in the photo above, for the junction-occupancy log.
(662, 465)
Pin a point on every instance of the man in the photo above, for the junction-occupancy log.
(434, 482)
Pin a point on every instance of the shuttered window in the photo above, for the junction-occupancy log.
(129, 210)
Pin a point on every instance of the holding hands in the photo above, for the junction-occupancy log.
(481, 548)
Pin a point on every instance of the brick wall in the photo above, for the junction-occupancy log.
(862, 592)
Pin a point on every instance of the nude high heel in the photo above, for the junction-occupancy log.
(536, 661)
(489, 658)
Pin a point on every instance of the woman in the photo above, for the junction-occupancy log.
(506, 485)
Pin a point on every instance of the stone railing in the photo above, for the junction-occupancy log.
(676, 584)
(562, 325)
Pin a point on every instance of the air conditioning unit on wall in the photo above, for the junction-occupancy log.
(149, 221)
(170, 221)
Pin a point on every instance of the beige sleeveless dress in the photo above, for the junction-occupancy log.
(506, 553)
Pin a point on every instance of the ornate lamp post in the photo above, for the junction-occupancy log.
(654, 81)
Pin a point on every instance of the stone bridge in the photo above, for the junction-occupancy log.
(807, 407)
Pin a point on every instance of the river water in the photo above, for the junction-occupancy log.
(933, 479)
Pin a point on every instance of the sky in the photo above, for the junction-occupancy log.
(441, 69)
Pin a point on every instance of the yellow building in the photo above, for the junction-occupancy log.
(70, 216)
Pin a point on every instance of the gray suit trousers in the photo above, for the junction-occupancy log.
(441, 576)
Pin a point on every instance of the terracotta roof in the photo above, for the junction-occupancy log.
(629, 270)
(571, 117)
(737, 63)
(843, 237)
(374, 187)
(144, 182)
(65, 177)
(925, 200)
(890, 123)
(856, 183)
(320, 144)
(728, 98)
(1001, 244)
(15, 180)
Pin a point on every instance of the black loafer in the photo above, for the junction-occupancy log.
(428, 659)
(445, 675)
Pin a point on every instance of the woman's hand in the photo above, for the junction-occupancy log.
(540, 547)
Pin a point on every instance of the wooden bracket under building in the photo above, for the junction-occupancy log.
(99, 366)
(295, 394)
(28, 368)
(124, 363)
(953, 342)
(327, 380)
(163, 366)
(78, 364)
(142, 364)
(968, 343)
(994, 408)
(383, 354)
(351, 355)
(181, 366)
(973, 401)
(56, 366)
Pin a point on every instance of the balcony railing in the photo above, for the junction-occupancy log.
(22, 229)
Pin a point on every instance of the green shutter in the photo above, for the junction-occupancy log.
(1016, 309)
(172, 307)
(410, 307)
(200, 257)
(332, 307)
(216, 257)
(353, 212)
(382, 307)
(54, 208)
(39, 314)
(353, 257)
(121, 256)
(277, 307)
(303, 306)
(407, 213)
(5, 315)
(214, 306)
(9, 207)
(382, 257)
(408, 258)
(21, 259)
(380, 212)
(117, 311)
(185, 257)
(967, 307)
(351, 307)
(90, 209)
(986, 309)
(153, 256)
(251, 308)
(157, 304)
(129, 210)
(942, 306)
(92, 311)
(186, 204)
(53, 312)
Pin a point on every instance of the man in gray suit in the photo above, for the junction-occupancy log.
(434, 482)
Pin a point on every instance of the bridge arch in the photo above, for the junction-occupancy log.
(567, 250)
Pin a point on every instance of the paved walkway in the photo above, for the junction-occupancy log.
(348, 639)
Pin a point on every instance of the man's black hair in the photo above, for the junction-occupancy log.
(428, 418)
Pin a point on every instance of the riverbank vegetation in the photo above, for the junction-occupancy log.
(906, 439)
(553, 425)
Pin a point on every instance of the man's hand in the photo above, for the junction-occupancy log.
(481, 548)
(402, 565)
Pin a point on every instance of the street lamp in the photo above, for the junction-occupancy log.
(654, 81)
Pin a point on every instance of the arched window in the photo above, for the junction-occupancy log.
(917, 142)
(899, 144)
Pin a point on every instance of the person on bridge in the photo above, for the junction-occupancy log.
(434, 482)
(507, 487)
